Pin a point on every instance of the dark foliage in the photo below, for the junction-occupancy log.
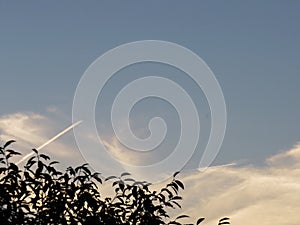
(40, 194)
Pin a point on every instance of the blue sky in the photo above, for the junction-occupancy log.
(253, 49)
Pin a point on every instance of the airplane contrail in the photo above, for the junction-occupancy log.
(50, 140)
(219, 166)
(202, 169)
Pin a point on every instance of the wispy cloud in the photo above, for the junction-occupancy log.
(49, 141)
(23, 127)
(249, 195)
(264, 195)
(32, 130)
(119, 152)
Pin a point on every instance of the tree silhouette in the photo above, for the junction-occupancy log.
(40, 194)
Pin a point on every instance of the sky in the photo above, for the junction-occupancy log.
(251, 47)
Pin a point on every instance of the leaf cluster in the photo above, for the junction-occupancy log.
(40, 194)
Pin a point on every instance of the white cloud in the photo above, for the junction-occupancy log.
(23, 127)
(119, 152)
(31, 130)
(249, 195)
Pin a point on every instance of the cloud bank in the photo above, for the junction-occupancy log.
(248, 195)
(266, 195)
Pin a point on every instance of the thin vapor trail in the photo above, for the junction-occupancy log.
(220, 166)
(50, 140)
(207, 168)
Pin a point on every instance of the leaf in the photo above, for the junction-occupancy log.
(71, 170)
(40, 167)
(30, 162)
(80, 167)
(110, 177)
(2, 169)
(12, 152)
(174, 222)
(35, 151)
(13, 167)
(200, 220)
(176, 203)
(53, 162)
(125, 174)
(180, 184)
(8, 143)
(116, 182)
(182, 216)
(224, 221)
(121, 186)
(169, 192)
(129, 179)
(174, 186)
(45, 156)
(98, 179)
(177, 198)
(31, 158)
(176, 173)
(86, 170)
